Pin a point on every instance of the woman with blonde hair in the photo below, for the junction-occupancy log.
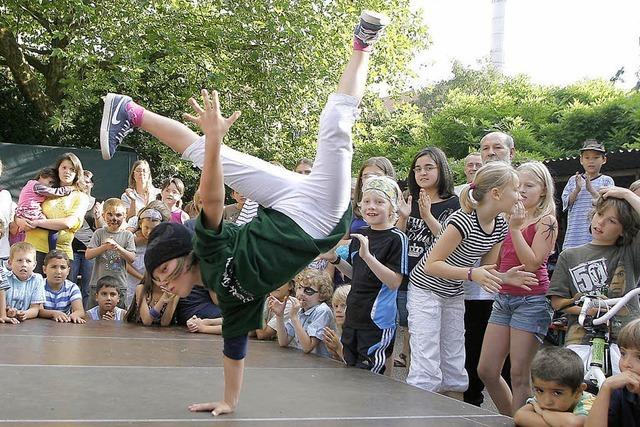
(141, 190)
(520, 317)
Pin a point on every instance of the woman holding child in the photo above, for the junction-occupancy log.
(65, 214)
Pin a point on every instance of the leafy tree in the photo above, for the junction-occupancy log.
(275, 60)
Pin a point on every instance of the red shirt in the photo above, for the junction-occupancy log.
(509, 258)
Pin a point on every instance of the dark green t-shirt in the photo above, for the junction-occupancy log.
(243, 264)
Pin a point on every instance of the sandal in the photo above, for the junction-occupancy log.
(400, 361)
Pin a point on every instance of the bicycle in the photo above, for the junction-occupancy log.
(598, 326)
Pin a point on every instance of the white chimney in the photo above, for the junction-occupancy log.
(497, 33)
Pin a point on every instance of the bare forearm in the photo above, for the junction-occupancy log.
(387, 276)
(212, 183)
(401, 224)
(46, 314)
(525, 253)
(265, 333)
(599, 413)
(91, 253)
(525, 418)
(345, 268)
(445, 271)
(573, 196)
(562, 419)
(281, 331)
(135, 273)
(211, 329)
(233, 374)
(303, 338)
(127, 255)
(167, 316)
(132, 211)
(32, 312)
(56, 224)
(434, 226)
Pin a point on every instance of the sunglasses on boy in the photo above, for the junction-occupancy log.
(308, 291)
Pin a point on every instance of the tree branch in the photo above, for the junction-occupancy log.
(35, 63)
(36, 50)
(40, 19)
(23, 73)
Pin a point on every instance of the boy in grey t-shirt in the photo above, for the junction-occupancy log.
(608, 266)
(112, 246)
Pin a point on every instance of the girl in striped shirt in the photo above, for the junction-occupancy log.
(435, 297)
(520, 318)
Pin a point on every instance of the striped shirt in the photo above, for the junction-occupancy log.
(62, 298)
(248, 212)
(578, 221)
(4, 282)
(474, 245)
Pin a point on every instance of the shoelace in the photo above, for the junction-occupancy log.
(124, 131)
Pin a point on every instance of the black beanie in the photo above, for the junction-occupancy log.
(167, 241)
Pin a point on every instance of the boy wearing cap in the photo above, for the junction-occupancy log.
(580, 192)
(377, 265)
(305, 215)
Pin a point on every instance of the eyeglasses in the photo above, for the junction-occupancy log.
(308, 291)
(419, 169)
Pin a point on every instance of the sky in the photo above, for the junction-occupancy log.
(553, 41)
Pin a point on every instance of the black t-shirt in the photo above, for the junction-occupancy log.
(624, 409)
(390, 248)
(419, 235)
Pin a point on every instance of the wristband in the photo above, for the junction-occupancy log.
(155, 313)
(337, 261)
(469, 272)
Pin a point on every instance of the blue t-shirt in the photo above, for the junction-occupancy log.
(313, 322)
(62, 298)
(21, 295)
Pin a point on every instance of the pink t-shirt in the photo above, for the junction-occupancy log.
(508, 259)
(176, 216)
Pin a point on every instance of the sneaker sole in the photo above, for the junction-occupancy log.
(104, 126)
(375, 18)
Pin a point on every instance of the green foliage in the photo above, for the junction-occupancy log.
(276, 60)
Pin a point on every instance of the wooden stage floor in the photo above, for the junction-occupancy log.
(112, 374)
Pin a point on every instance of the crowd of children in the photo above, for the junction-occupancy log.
(408, 259)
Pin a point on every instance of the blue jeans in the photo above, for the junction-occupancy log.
(529, 313)
(83, 267)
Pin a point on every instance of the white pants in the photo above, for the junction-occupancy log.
(436, 327)
(584, 351)
(316, 202)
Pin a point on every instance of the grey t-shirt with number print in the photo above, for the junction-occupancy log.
(608, 270)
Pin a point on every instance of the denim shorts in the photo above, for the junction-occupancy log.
(403, 313)
(530, 313)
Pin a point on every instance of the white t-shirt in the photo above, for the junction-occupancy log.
(7, 207)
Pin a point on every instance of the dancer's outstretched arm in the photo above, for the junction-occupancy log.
(214, 126)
